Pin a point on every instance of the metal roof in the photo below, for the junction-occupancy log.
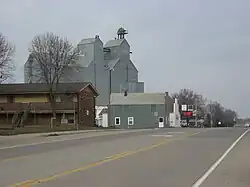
(87, 41)
(112, 63)
(113, 43)
(27, 88)
(139, 99)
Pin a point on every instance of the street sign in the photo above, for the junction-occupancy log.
(190, 107)
(183, 107)
(188, 113)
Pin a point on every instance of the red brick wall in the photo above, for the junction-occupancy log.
(85, 113)
(86, 107)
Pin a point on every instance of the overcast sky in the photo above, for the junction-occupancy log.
(199, 44)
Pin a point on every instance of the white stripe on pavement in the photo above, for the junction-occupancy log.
(176, 132)
(162, 135)
(217, 163)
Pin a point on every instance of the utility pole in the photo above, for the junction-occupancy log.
(109, 97)
(166, 110)
(196, 112)
(127, 72)
(95, 74)
(110, 85)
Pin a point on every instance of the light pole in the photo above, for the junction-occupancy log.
(110, 90)
(166, 109)
(199, 98)
(196, 112)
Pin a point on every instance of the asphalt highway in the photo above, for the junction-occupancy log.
(142, 158)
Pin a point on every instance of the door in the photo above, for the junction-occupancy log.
(130, 122)
(117, 121)
(161, 122)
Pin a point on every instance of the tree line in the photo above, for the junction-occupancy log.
(211, 112)
(53, 54)
(50, 55)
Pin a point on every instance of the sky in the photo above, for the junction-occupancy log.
(197, 44)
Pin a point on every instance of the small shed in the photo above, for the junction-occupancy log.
(140, 110)
(102, 116)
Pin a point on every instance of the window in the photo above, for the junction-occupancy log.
(58, 99)
(161, 119)
(153, 108)
(10, 99)
(117, 120)
(130, 120)
(74, 98)
(3, 99)
(190, 107)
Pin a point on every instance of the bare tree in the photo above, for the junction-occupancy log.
(53, 55)
(213, 112)
(6, 62)
(189, 97)
(221, 114)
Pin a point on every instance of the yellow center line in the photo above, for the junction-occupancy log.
(27, 156)
(29, 183)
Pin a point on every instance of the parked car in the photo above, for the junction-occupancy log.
(247, 125)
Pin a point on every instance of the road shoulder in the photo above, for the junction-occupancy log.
(234, 170)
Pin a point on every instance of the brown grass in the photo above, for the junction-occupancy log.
(8, 130)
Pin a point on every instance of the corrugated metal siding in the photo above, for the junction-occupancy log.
(144, 115)
(113, 43)
(87, 40)
(137, 98)
(112, 63)
(86, 54)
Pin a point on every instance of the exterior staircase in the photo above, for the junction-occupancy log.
(16, 119)
(20, 117)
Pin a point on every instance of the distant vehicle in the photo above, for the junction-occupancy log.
(247, 125)
(184, 123)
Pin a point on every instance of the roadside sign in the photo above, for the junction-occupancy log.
(195, 113)
(183, 107)
(188, 113)
(190, 107)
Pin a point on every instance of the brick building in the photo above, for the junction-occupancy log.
(28, 104)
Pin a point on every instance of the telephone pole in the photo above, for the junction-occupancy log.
(196, 112)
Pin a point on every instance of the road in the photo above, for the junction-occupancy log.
(160, 157)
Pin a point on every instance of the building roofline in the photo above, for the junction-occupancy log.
(90, 84)
(20, 88)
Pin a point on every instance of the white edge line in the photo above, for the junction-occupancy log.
(216, 164)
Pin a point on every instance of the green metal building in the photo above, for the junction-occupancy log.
(139, 110)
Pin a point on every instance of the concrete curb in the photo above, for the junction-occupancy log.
(59, 133)
(77, 132)
(69, 132)
(36, 135)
